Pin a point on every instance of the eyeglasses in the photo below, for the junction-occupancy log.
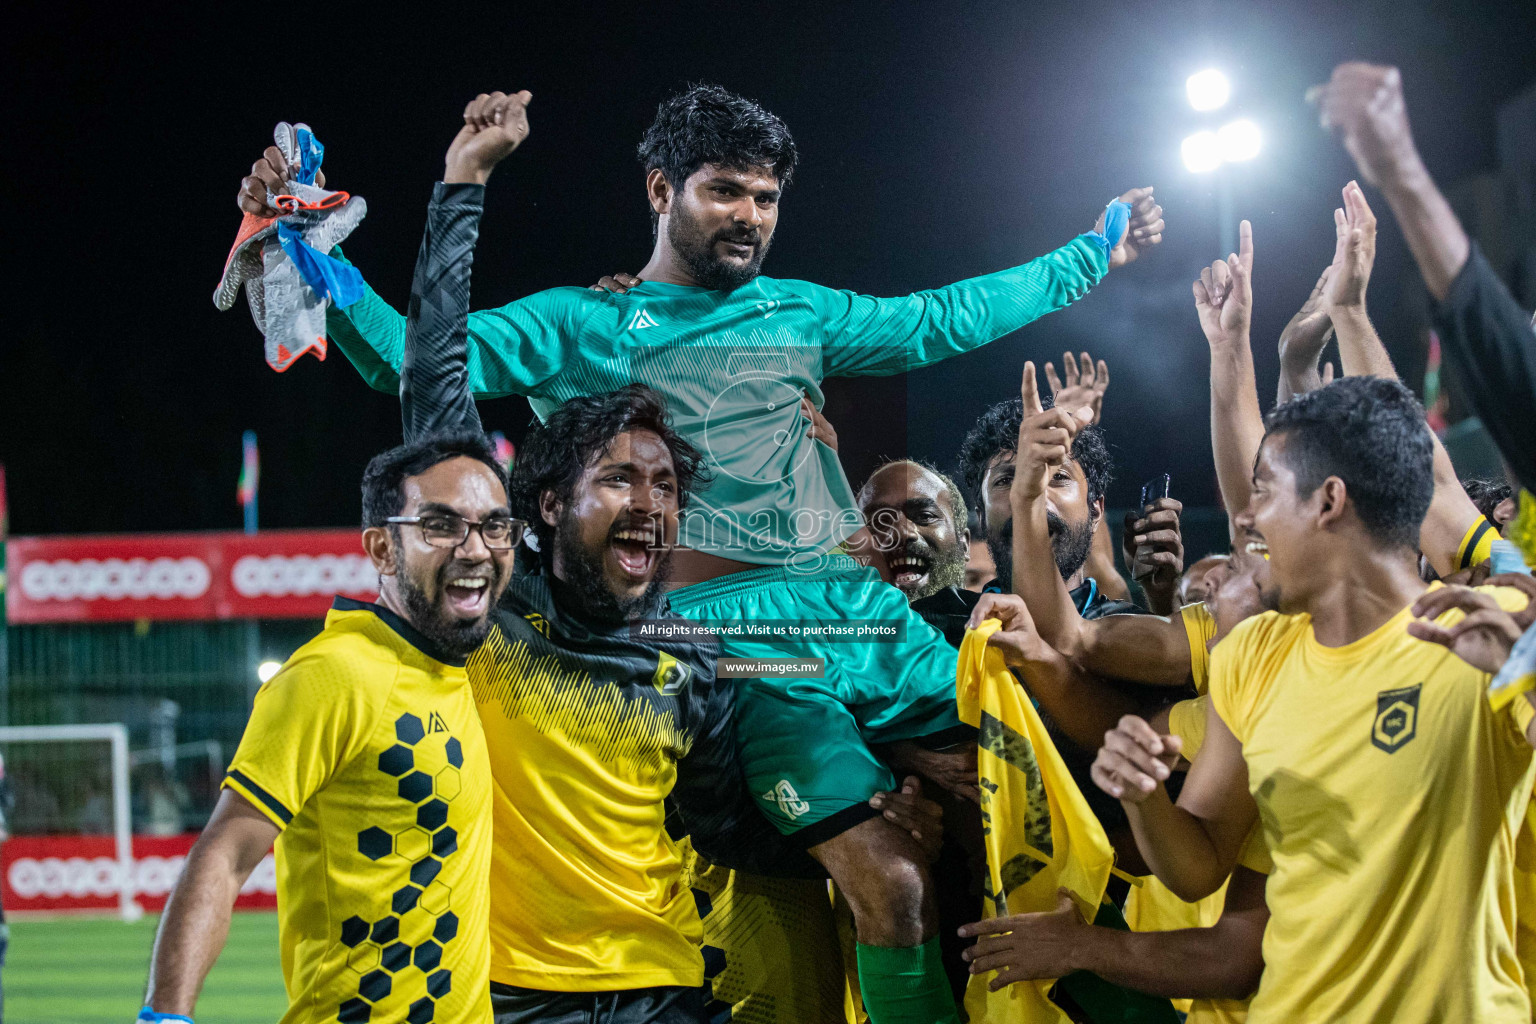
(499, 533)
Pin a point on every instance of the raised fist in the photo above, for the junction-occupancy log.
(1143, 232)
(494, 125)
(1134, 760)
(1362, 104)
(270, 174)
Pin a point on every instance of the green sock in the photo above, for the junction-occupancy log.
(905, 985)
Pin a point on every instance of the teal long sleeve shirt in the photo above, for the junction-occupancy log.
(733, 367)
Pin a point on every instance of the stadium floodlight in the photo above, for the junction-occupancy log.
(1201, 152)
(1239, 141)
(267, 669)
(1208, 89)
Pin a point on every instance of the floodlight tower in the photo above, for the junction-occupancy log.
(1209, 151)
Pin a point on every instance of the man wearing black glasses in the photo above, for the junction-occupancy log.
(365, 761)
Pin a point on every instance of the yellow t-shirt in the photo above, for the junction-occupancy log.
(366, 750)
(1200, 629)
(1389, 793)
(1525, 899)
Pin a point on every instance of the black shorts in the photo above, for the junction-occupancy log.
(665, 1004)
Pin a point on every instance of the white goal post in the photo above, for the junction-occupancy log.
(115, 733)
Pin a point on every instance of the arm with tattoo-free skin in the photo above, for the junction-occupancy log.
(1145, 648)
(1191, 846)
(1154, 552)
(1224, 302)
(1223, 961)
(1082, 705)
(1451, 512)
(195, 924)
(1302, 343)
(1045, 444)
(1363, 105)
(1485, 334)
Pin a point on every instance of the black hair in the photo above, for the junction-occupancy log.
(1370, 433)
(1487, 495)
(957, 506)
(387, 471)
(554, 454)
(707, 124)
(998, 431)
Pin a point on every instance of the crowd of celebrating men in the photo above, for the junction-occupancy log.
(517, 788)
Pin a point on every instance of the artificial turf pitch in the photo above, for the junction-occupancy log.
(84, 971)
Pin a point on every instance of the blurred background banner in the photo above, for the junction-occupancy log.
(50, 874)
(277, 574)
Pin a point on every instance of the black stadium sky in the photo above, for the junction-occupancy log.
(939, 140)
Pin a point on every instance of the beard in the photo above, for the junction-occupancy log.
(583, 567)
(696, 248)
(945, 568)
(456, 637)
(1069, 544)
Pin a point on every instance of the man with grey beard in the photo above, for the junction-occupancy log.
(917, 518)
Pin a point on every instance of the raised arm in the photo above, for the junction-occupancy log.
(1302, 343)
(435, 392)
(871, 336)
(1224, 302)
(195, 924)
(1083, 385)
(1451, 513)
(1141, 647)
(1486, 336)
(1044, 446)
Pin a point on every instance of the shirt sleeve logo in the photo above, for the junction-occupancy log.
(1397, 718)
(671, 675)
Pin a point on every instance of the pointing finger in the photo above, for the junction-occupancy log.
(1030, 391)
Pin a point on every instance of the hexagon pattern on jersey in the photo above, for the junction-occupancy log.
(381, 955)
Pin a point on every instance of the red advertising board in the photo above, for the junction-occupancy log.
(49, 874)
(276, 574)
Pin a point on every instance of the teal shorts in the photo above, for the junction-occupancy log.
(804, 743)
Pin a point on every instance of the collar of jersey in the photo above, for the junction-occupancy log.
(1398, 623)
(687, 289)
(409, 633)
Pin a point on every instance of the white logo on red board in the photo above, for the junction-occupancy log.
(113, 579)
(303, 575)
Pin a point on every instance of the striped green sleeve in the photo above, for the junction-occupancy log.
(513, 350)
(876, 337)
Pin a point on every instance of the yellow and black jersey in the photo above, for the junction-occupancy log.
(774, 949)
(367, 751)
(595, 735)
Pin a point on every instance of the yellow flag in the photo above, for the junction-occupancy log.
(1039, 833)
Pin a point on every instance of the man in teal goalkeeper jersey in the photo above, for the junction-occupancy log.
(735, 353)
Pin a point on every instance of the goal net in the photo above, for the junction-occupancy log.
(69, 817)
